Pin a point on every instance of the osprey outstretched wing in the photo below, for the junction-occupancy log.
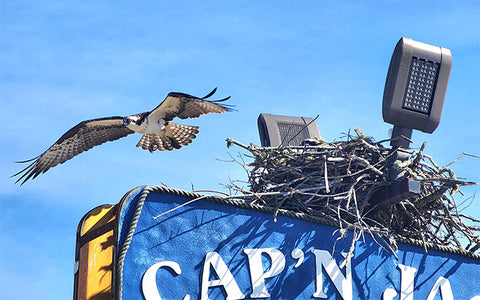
(186, 106)
(158, 132)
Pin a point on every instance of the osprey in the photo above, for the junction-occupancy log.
(158, 133)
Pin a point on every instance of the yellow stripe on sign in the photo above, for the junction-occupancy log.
(96, 256)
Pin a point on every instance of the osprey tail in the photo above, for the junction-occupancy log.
(173, 136)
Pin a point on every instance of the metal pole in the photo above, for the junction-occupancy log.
(401, 139)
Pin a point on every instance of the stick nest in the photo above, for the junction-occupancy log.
(337, 182)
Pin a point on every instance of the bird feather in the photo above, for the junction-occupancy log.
(80, 138)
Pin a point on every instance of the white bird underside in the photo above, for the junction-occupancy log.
(172, 136)
(158, 132)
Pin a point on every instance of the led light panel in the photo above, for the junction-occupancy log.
(292, 134)
(421, 85)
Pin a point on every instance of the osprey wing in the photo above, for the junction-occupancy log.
(80, 138)
(187, 106)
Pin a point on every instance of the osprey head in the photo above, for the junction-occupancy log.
(131, 120)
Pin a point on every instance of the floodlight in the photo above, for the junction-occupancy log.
(282, 131)
(415, 88)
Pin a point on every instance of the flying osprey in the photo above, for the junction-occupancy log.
(158, 132)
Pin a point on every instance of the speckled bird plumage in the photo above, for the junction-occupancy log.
(155, 126)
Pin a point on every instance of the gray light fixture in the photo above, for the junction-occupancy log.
(413, 98)
(415, 89)
(282, 131)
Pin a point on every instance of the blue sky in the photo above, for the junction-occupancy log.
(64, 62)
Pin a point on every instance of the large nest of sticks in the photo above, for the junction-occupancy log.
(343, 181)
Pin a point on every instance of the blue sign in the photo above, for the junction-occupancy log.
(214, 249)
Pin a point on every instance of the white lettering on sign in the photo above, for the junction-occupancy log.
(343, 284)
(225, 278)
(257, 275)
(389, 294)
(215, 267)
(298, 255)
(445, 289)
(149, 282)
(407, 281)
(407, 284)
